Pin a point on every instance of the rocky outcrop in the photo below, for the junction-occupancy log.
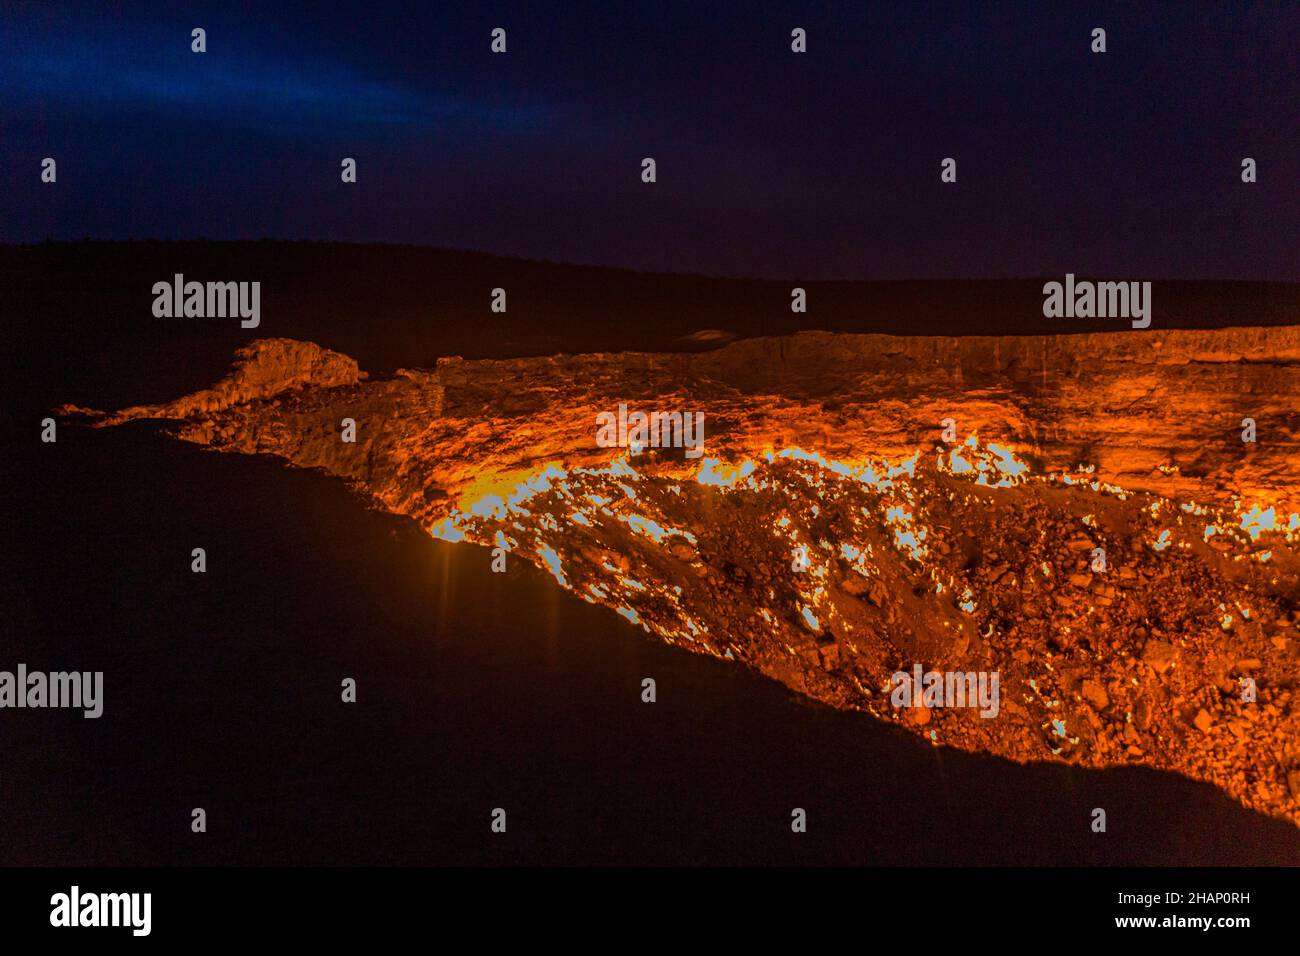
(263, 369)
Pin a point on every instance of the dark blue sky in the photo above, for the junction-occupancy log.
(821, 165)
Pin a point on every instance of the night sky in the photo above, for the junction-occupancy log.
(770, 164)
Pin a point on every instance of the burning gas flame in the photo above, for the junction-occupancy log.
(560, 519)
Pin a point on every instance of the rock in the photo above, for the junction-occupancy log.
(917, 716)
(855, 584)
(1080, 580)
(682, 551)
(1095, 694)
(262, 369)
(1160, 655)
(1142, 713)
(734, 571)
(1203, 721)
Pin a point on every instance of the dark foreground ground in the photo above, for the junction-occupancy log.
(476, 691)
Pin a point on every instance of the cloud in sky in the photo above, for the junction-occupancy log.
(134, 74)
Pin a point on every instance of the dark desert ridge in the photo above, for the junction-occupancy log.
(476, 690)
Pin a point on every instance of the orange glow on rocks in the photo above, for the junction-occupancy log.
(829, 537)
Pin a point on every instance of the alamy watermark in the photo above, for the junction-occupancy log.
(923, 688)
(78, 690)
(1098, 300)
(208, 300)
(75, 908)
